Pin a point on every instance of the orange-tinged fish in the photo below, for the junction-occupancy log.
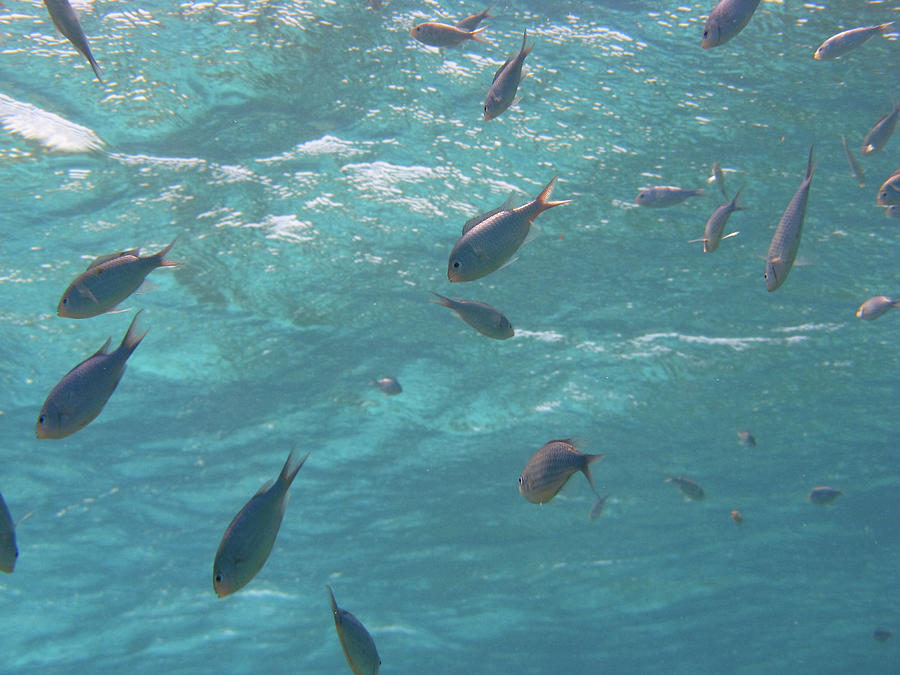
(876, 306)
(441, 35)
(358, 645)
(824, 495)
(8, 550)
(550, 467)
(688, 486)
(746, 439)
(737, 516)
(485, 319)
(66, 22)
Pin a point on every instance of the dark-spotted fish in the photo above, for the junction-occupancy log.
(847, 41)
(688, 486)
(881, 133)
(550, 467)
(712, 233)
(856, 169)
(786, 240)
(8, 550)
(485, 319)
(506, 81)
(358, 645)
(876, 306)
(66, 22)
(441, 35)
(824, 495)
(727, 19)
(661, 196)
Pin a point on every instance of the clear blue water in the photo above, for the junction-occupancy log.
(317, 165)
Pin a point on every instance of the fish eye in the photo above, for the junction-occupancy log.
(520, 480)
(218, 578)
(41, 419)
(456, 264)
(66, 300)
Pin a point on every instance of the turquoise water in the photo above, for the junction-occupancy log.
(316, 165)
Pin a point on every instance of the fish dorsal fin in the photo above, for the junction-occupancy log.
(104, 349)
(265, 488)
(472, 222)
(500, 69)
(100, 259)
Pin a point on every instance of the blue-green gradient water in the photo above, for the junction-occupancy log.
(316, 165)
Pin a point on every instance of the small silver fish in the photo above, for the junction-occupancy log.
(848, 40)
(550, 467)
(388, 385)
(81, 394)
(712, 233)
(856, 169)
(597, 507)
(688, 486)
(249, 538)
(889, 192)
(107, 281)
(470, 23)
(485, 319)
(874, 307)
(824, 495)
(746, 439)
(8, 550)
(359, 647)
(491, 243)
(727, 19)
(441, 35)
(66, 22)
(786, 240)
(881, 133)
(718, 176)
(506, 82)
(664, 195)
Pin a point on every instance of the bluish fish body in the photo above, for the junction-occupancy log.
(357, 643)
(712, 233)
(485, 319)
(506, 81)
(662, 196)
(848, 40)
(66, 22)
(824, 495)
(551, 467)
(9, 552)
(727, 19)
(881, 133)
(786, 240)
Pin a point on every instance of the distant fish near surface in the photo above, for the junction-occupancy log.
(737, 516)
(882, 634)
(786, 240)
(471, 22)
(358, 645)
(490, 244)
(856, 169)
(107, 281)
(718, 176)
(66, 22)
(881, 133)
(889, 192)
(688, 486)
(712, 233)
(249, 538)
(506, 82)
(746, 439)
(727, 19)
(388, 385)
(485, 319)
(848, 40)
(550, 467)
(81, 394)
(597, 507)
(8, 550)
(664, 195)
(824, 495)
(876, 306)
(441, 35)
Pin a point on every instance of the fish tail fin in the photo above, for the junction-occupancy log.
(444, 302)
(895, 302)
(543, 200)
(884, 26)
(161, 256)
(134, 336)
(525, 50)
(288, 474)
(697, 192)
(588, 460)
(474, 35)
(734, 201)
(95, 66)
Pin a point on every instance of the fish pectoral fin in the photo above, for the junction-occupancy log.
(731, 234)
(702, 240)
(86, 292)
(508, 263)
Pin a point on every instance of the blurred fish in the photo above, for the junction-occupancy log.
(506, 82)
(483, 318)
(893, 211)
(66, 22)
(746, 439)
(247, 542)
(786, 240)
(358, 645)
(727, 19)
(491, 243)
(664, 195)
(889, 192)
(856, 169)
(550, 467)
(689, 488)
(597, 508)
(388, 385)
(470, 23)
(442, 35)
(718, 176)
(737, 516)
(375, 4)
(876, 306)
(107, 281)
(712, 233)
(8, 550)
(882, 634)
(881, 133)
(81, 394)
(848, 40)
(824, 495)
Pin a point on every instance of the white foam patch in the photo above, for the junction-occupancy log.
(47, 128)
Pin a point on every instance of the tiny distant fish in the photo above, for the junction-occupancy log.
(746, 439)
(359, 647)
(442, 35)
(485, 319)
(107, 281)
(550, 467)
(824, 495)
(737, 516)
(848, 40)
(889, 192)
(388, 385)
(664, 195)
(881, 133)
(375, 4)
(66, 22)
(712, 233)
(506, 82)
(491, 243)
(786, 240)
(876, 306)
(893, 211)
(8, 550)
(882, 634)
(597, 508)
(718, 176)
(81, 394)
(689, 487)
(249, 538)
(470, 23)
(856, 169)
(727, 19)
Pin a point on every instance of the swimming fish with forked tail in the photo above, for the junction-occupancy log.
(485, 319)
(848, 40)
(786, 240)
(727, 19)
(358, 645)
(550, 467)
(506, 82)
(66, 22)
(661, 196)
(712, 233)
(442, 35)
(881, 133)
(876, 306)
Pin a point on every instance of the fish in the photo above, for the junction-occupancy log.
(664, 195)
(388, 385)
(66, 22)
(485, 319)
(881, 634)
(359, 647)
(727, 19)
(249, 538)
(875, 306)
(893, 211)
(107, 281)
(848, 40)
(823, 495)
(718, 177)
(746, 439)
(491, 243)
(881, 133)
(737, 516)
(597, 507)
(712, 233)
(856, 169)
(889, 192)
(441, 35)
(8, 550)
(689, 487)
(471, 22)
(506, 82)
(786, 240)
(551, 466)
(80, 396)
